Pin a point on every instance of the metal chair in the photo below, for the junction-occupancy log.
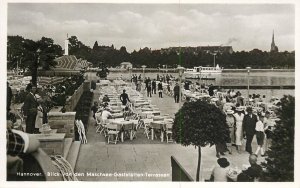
(113, 130)
(100, 126)
(169, 132)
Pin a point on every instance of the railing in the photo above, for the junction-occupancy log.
(178, 172)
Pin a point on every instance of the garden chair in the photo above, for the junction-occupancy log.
(112, 130)
(169, 132)
(146, 126)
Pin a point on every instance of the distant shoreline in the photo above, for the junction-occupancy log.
(172, 70)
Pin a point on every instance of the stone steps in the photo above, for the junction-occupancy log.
(67, 146)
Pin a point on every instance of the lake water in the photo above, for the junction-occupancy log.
(236, 79)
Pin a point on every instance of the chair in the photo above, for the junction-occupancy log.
(113, 130)
(100, 126)
(169, 132)
(146, 123)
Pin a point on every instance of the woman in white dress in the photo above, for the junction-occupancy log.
(39, 116)
(239, 116)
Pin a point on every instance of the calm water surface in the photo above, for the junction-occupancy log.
(236, 79)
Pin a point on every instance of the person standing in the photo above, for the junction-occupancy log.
(249, 124)
(154, 87)
(148, 87)
(124, 97)
(160, 89)
(176, 91)
(30, 109)
(239, 117)
(211, 90)
(168, 78)
(9, 96)
(230, 121)
(40, 110)
(105, 99)
(260, 135)
(239, 99)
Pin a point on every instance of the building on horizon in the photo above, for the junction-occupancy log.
(274, 48)
(199, 49)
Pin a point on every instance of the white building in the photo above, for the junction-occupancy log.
(126, 65)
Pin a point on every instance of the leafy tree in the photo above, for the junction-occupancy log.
(78, 49)
(280, 161)
(200, 124)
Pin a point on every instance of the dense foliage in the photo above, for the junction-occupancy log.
(25, 52)
(83, 110)
(280, 162)
(112, 57)
(200, 124)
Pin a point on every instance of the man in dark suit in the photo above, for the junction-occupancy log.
(176, 91)
(249, 123)
(30, 109)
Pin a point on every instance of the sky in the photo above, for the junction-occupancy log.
(135, 26)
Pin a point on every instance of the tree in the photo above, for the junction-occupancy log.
(95, 47)
(200, 124)
(280, 161)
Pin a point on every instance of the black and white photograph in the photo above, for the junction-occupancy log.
(149, 92)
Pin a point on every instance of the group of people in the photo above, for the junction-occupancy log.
(224, 172)
(34, 110)
(19, 142)
(247, 125)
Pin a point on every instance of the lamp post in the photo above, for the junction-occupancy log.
(158, 68)
(180, 72)
(214, 54)
(20, 63)
(248, 71)
(130, 74)
(34, 73)
(144, 66)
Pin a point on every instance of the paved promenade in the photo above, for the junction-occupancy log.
(145, 157)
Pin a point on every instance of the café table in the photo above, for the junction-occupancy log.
(117, 115)
(124, 126)
(158, 118)
(115, 111)
(156, 113)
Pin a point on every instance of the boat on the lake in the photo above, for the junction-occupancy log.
(198, 72)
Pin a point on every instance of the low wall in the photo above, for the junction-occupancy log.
(73, 100)
(178, 172)
(63, 122)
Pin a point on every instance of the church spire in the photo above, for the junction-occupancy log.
(273, 42)
(274, 48)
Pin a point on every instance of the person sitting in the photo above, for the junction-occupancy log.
(106, 114)
(105, 99)
(223, 172)
(127, 113)
(94, 109)
(253, 173)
